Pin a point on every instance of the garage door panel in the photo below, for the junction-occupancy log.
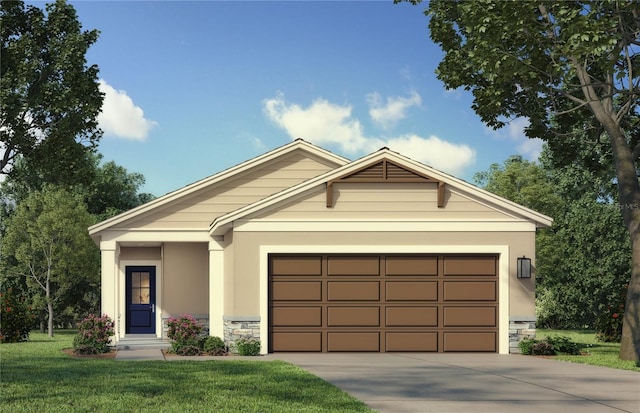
(353, 316)
(469, 341)
(353, 266)
(353, 291)
(296, 290)
(296, 265)
(365, 341)
(311, 341)
(470, 317)
(411, 316)
(412, 265)
(469, 266)
(470, 291)
(297, 316)
(411, 290)
(427, 341)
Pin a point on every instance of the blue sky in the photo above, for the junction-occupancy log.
(192, 88)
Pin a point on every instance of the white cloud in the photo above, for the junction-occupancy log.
(324, 123)
(433, 151)
(121, 117)
(514, 131)
(531, 148)
(394, 110)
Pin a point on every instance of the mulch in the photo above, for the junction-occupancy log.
(110, 355)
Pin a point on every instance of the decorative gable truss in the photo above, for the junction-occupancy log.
(385, 171)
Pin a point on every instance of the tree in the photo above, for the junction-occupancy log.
(111, 190)
(583, 260)
(521, 181)
(47, 243)
(49, 97)
(564, 66)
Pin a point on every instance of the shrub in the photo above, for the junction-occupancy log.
(214, 346)
(563, 345)
(248, 347)
(189, 350)
(526, 346)
(94, 335)
(184, 331)
(543, 348)
(16, 318)
(549, 346)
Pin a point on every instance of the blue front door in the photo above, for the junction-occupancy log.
(141, 300)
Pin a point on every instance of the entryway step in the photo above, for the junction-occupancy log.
(142, 341)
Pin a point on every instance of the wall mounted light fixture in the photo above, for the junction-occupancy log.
(524, 267)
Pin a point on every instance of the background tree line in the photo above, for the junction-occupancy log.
(583, 261)
(55, 183)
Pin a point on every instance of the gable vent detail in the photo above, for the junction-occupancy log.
(385, 171)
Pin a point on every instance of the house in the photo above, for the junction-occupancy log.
(308, 251)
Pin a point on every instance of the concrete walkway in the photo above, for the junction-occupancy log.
(431, 382)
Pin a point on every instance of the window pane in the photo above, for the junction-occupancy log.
(135, 279)
(135, 296)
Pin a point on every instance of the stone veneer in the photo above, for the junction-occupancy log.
(236, 328)
(519, 328)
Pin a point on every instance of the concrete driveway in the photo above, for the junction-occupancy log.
(427, 382)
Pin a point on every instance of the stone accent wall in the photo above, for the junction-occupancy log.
(520, 328)
(203, 320)
(236, 328)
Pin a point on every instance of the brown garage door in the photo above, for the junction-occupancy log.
(383, 303)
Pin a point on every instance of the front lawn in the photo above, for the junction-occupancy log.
(596, 353)
(36, 377)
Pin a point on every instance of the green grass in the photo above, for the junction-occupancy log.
(596, 353)
(36, 376)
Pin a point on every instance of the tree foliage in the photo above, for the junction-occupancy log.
(111, 190)
(565, 66)
(47, 249)
(49, 96)
(583, 260)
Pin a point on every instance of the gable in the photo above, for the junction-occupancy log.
(198, 209)
(196, 205)
(389, 171)
(385, 171)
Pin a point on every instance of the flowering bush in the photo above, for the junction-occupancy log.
(16, 318)
(94, 335)
(609, 322)
(184, 333)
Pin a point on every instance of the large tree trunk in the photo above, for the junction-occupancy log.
(629, 198)
(630, 343)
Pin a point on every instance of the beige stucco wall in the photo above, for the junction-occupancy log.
(185, 283)
(243, 296)
(140, 253)
(406, 201)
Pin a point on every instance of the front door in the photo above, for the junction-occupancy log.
(141, 300)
